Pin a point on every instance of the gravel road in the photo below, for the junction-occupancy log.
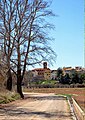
(36, 106)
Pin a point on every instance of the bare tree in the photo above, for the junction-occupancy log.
(26, 41)
(3, 69)
(7, 34)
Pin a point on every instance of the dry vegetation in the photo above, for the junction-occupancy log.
(8, 96)
(77, 93)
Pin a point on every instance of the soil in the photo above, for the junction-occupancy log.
(77, 93)
(36, 106)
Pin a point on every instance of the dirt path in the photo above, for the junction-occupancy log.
(36, 107)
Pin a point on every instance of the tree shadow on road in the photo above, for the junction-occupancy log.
(17, 110)
(27, 113)
(54, 97)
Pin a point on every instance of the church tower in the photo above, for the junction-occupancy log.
(45, 65)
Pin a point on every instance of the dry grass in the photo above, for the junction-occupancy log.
(7, 96)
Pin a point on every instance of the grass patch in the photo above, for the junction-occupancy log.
(69, 96)
(45, 82)
(8, 97)
(48, 82)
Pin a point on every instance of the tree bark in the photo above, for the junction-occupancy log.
(9, 81)
(19, 84)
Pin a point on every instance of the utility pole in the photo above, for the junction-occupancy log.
(84, 33)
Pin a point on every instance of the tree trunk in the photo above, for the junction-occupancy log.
(9, 81)
(19, 85)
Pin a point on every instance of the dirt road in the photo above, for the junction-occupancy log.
(36, 107)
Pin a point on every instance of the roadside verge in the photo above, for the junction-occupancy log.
(78, 111)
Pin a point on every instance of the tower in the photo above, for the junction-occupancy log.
(45, 65)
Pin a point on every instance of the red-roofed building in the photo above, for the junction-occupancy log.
(43, 73)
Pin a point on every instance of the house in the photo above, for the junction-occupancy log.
(42, 73)
(53, 74)
(78, 69)
(68, 70)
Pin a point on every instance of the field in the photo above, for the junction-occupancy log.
(77, 93)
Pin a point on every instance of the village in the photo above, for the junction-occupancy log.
(46, 75)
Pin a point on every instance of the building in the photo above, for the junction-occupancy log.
(77, 68)
(53, 74)
(47, 74)
(42, 73)
(71, 70)
(68, 70)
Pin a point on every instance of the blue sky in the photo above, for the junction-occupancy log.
(68, 33)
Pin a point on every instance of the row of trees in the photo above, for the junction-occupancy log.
(70, 79)
(24, 37)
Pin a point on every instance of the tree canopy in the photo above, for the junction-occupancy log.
(23, 35)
